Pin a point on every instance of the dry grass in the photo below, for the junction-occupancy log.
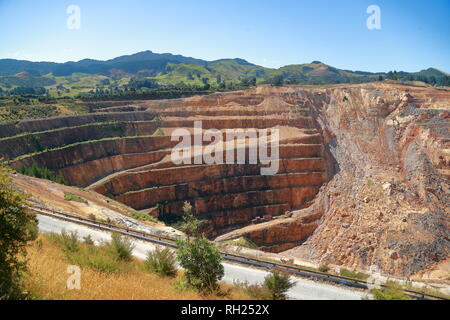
(48, 276)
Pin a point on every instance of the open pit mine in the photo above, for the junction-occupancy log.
(362, 180)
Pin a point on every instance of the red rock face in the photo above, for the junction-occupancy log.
(363, 168)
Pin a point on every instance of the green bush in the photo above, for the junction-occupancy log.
(121, 247)
(41, 173)
(28, 112)
(17, 227)
(158, 133)
(141, 216)
(244, 242)
(353, 274)
(88, 240)
(35, 141)
(256, 291)
(393, 291)
(95, 258)
(69, 196)
(161, 261)
(324, 268)
(278, 283)
(202, 263)
(86, 254)
(67, 241)
(190, 223)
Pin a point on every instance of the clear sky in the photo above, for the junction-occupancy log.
(414, 34)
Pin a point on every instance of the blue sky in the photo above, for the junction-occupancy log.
(414, 34)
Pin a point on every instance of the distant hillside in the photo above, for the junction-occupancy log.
(129, 64)
(168, 69)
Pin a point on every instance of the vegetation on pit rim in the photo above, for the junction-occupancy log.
(141, 216)
(114, 124)
(244, 242)
(69, 196)
(324, 268)
(393, 291)
(158, 133)
(353, 274)
(41, 173)
(20, 112)
(410, 286)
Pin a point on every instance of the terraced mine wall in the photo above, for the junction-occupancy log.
(9, 129)
(386, 200)
(363, 173)
(126, 156)
(84, 163)
(53, 139)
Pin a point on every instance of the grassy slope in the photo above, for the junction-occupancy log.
(48, 280)
(228, 69)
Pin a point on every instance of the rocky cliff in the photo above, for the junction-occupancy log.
(387, 201)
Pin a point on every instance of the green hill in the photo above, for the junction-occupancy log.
(153, 69)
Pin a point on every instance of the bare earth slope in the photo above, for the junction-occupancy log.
(49, 195)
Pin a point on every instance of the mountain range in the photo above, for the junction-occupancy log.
(169, 69)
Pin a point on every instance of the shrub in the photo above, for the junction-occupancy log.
(141, 216)
(94, 258)
(121, 247)
(256, 291)
(278, 283)
(17, 227)
(69, 196)
(353, 274)
(288, 261)
(393, 291)
(86, 254)
(67, 241)
(161, 261)
(158, 133)
(244, 242)
(202, 263)
(324, 268)
(190, 223)
(41, 173)
(88, 240)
